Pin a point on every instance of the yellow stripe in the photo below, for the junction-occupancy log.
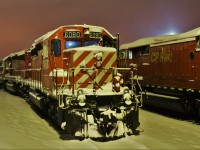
(84, 77)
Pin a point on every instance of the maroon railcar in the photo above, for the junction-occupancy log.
(169, 68)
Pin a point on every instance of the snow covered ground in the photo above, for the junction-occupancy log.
(23, 127)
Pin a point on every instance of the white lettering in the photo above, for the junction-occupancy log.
(72, 34)
(95, 35)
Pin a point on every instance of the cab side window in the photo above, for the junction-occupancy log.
(56, 47)
(107, 42)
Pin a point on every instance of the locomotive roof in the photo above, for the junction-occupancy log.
(161, 40)
(91, 27)
(16, 53)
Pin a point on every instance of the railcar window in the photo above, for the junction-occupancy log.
(145, 50)
(72, 44)
(130, 54)
(88, 43)
(123, 55)
(56, 47)
(135, 52)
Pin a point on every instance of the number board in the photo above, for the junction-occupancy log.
(72, 34)
(96, 35)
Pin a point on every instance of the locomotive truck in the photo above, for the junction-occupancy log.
(168, 67)
(71, 74)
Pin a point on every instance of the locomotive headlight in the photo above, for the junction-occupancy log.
(98, 56)
(98, 64)
(81, 97)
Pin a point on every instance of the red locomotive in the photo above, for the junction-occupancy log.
(169, 69)
(71, 74)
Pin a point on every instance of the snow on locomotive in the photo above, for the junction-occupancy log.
(71, 74)
(168, 66)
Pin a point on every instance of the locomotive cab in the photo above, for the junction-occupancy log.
(65, 38)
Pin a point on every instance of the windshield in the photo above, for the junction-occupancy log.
(72, 44)
(88, 43)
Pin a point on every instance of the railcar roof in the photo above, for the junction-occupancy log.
(91, 27)
(160, 39)
(145, 41)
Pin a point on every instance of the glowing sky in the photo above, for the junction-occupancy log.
(22, 21)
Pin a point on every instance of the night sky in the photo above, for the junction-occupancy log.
(23, 21)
